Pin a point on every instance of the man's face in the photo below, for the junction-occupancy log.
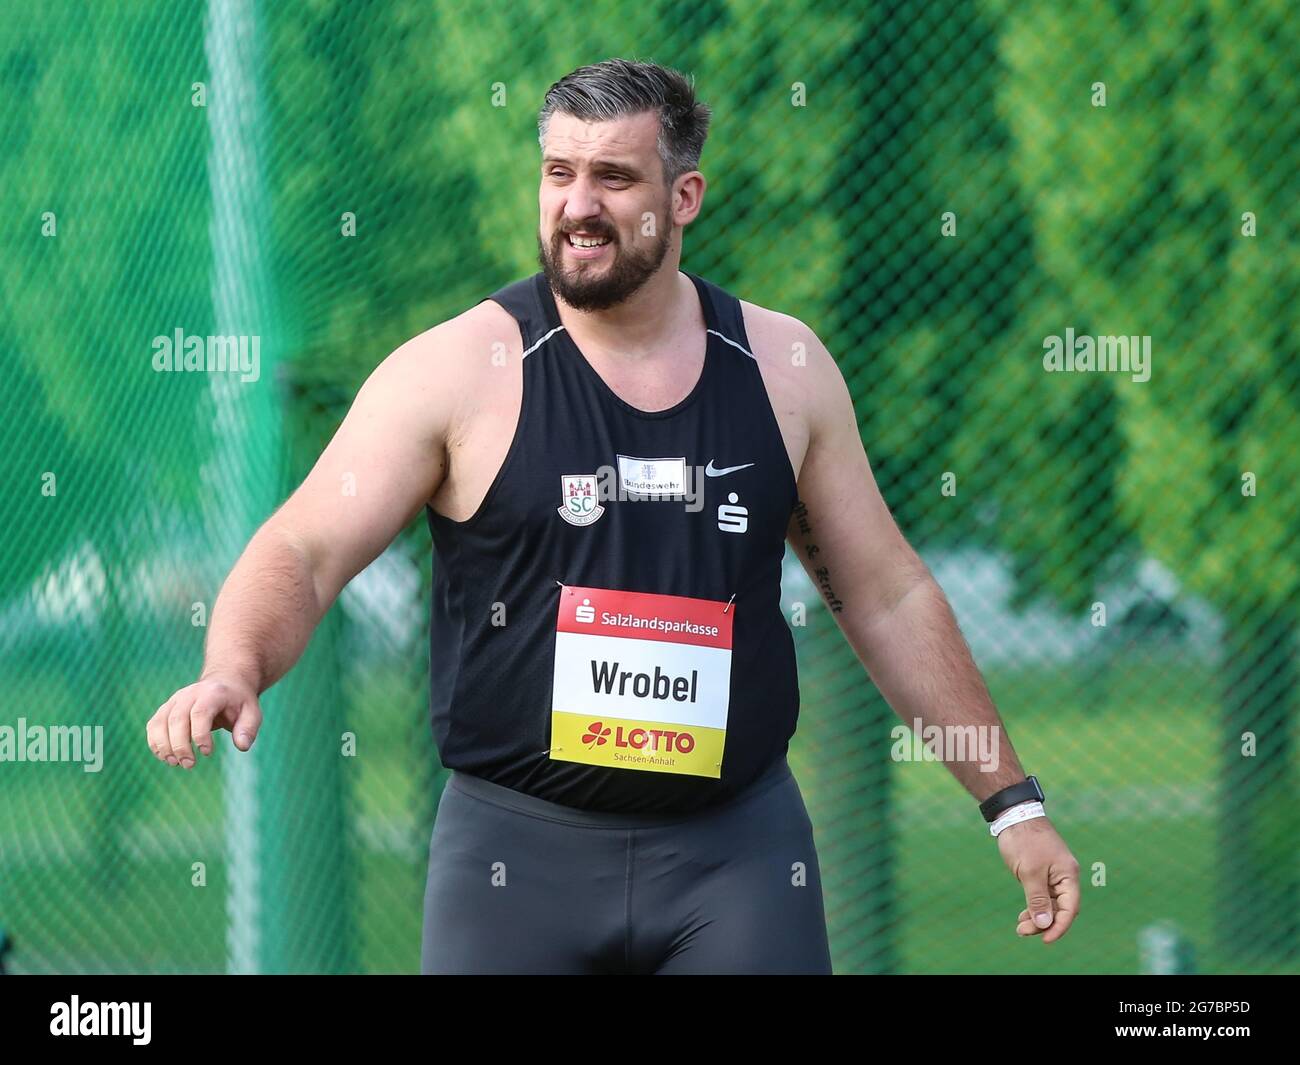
(599, 182)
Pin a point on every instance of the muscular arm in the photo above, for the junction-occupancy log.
(883, 597)
(386, 459)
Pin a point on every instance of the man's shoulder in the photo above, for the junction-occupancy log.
(483, 327)
(768, 328)
(776, 331)
(485, 322)
(443, 369)
(795, 364)
(461, 343)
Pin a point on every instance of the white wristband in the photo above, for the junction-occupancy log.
(1025, 811)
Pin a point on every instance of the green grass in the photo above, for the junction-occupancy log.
(95, 869)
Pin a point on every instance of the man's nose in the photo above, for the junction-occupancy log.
(581, 205)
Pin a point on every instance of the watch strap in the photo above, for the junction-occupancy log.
(1027, 790)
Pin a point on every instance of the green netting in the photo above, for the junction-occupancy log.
(936, 189)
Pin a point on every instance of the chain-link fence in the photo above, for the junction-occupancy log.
(1054, 248)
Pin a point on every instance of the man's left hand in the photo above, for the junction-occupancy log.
(1048, 872)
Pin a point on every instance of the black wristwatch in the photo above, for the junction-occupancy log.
(1001, 801)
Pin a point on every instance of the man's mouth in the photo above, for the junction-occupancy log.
(578, 240)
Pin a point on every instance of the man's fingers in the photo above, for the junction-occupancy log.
(201, 723)
(178, 731)
(1038, 898)
(184, 724)
(247, 725)
(1067, 907)
(1025, 925)
(157, 733)
(1066, 901)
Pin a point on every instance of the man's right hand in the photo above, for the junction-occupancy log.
(186, 720)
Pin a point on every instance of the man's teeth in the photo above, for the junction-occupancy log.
(587, 242)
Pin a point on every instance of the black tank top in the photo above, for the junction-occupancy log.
(606, 629)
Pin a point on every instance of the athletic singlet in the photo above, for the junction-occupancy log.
(606, 629)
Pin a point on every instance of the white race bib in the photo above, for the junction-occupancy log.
(641, 681)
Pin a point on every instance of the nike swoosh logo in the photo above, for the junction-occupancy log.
(712, 471)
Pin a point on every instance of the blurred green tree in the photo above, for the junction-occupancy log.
(1165, 464)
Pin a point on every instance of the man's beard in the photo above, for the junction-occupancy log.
(588, 289)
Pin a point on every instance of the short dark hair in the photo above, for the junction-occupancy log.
(617, 88)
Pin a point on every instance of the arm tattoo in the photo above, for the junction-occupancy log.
(811, 550)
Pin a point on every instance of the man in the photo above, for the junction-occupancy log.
(612, 454)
